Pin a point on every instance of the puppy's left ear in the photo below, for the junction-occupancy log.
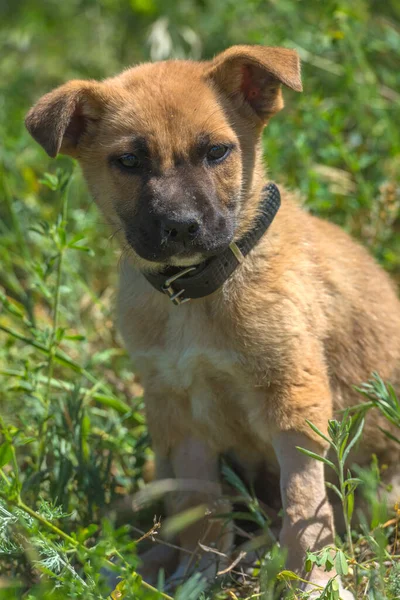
(60, 119)
(251, 76)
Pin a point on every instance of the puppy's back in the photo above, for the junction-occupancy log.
(361, 328)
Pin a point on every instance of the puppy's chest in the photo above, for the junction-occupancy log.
(191, 352)
(197, 375)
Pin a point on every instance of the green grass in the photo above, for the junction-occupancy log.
(73, 439)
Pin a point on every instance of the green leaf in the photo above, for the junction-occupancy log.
(341, 565)
(354, 440)
(59, 334)
(23, 386)
(329, 562)
(119, 405)
(75, 337)
(182, 520)
(25, 441)
(5, 454)
(309, 565)
(343, 446)
(318, 432)
(12, 306)
(82, 249)
(353, 482)
(50, 181)
(333, 429)
(76, 238)
(312, 557)
(350, 505)
(333, 487)
(317, 457)
(192, 588)
(335, 589)
(87, 532)
(287, 575)
(234, 480)
(322, 557)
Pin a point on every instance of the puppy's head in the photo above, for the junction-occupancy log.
(170, 149)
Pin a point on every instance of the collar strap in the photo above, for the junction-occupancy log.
(204, 279)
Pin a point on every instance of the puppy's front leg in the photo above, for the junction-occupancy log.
(160, 556)
(308, 518)
(192, 460)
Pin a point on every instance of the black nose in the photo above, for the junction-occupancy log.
(179, 230)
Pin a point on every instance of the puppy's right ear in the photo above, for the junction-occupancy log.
(251, 76)
(59, 119)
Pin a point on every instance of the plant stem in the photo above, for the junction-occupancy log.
(52, 348)
(344, 507)
(20, 504)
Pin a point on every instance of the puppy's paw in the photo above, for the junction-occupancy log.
(316, 593)
(207, 567)
(159, 557)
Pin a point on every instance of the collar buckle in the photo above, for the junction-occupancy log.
(176, 297)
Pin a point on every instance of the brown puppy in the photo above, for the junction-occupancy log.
(171, 152)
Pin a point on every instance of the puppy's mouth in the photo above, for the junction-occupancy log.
(167, 250)
(190, 255)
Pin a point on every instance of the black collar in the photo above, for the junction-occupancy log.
(201, 280)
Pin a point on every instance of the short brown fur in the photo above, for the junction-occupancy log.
(306, 317)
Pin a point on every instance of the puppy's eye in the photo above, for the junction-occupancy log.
(217, 153)
(129, 161)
